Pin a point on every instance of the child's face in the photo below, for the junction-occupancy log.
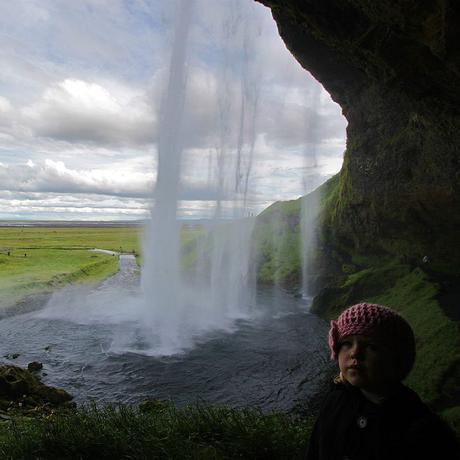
(367, 364)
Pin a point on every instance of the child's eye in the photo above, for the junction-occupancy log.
(345, 343)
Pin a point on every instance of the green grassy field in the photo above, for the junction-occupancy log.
(113, 238)
(37, 260)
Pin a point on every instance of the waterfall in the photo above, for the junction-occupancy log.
(160, 279)
(232, 280)
(310, 203)
(180, 308)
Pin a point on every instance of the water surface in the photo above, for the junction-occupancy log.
(276, 359)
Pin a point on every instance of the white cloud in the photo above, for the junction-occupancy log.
(54, 176)
(79, 111)
(5, 105)
(63, 206)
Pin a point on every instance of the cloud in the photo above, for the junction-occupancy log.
(295, 124)
(64, 206)
(5, 105)
(80, 111)
(54, 176)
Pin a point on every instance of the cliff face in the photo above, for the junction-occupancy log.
(394, 68)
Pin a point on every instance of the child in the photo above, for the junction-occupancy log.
(369, 414)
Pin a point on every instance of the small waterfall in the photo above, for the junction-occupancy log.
(232, 280)
(310, 203)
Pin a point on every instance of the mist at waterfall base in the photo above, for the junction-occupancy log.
(204, 332)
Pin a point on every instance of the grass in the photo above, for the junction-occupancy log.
(277, 244)
(44, 270)
(38, 260)
(124, 239)
(155, 431)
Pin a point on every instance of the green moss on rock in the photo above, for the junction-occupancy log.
(20, 388)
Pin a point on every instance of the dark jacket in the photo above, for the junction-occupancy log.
(350, 427)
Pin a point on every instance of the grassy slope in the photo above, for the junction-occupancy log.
(57, 256)
(277, 237)
(276, 240)
(402, 283)
(46, 269)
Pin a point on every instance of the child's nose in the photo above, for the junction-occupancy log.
(356, 350)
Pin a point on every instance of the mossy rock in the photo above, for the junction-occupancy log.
(17, 384)
(452, 417)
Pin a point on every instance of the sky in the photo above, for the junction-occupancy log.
(82, 93)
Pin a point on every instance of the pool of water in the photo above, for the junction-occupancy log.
(276, 359)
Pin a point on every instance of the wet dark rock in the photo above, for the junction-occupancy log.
(22, 387)
(34, 366)
(12, 356)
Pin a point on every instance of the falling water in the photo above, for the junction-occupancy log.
(179, 309)
(160, 280)
(232, 279)
(309, 203)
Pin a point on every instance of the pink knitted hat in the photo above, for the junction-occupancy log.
(376, 321)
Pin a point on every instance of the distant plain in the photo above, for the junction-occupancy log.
(36, 260)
